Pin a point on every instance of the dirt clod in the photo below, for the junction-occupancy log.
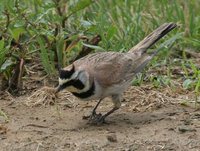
(112, 138)
(3, 130)
(184, 129)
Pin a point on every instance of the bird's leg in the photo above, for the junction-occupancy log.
(117, 103)
(94, 114)
(102, 118)
(94, 110)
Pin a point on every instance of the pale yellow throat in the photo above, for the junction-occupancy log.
(73, 89)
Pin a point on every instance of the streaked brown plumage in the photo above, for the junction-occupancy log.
(109, 74)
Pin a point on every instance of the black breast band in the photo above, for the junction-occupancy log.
(75, 83)
(86, 94)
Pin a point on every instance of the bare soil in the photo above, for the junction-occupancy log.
(149, 119)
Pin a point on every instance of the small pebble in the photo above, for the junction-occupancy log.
(112, 138)
(184, 129)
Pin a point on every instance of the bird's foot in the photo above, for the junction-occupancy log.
(94, 115)
(95, 119)
(98, 120)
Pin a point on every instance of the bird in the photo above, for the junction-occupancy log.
(99, 75)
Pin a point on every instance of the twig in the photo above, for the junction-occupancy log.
(7, 20)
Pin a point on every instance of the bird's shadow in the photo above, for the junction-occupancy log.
(126, 119)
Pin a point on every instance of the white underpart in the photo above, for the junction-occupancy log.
(62, 81)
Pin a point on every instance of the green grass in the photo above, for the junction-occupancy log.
(3, 114)
(42, 27)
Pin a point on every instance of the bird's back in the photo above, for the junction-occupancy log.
(109, 68)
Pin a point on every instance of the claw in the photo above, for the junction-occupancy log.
(97, 120)
(93, 116)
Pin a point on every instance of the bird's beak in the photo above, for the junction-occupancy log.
(58, 88)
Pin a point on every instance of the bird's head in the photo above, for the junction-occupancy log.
(72, 80)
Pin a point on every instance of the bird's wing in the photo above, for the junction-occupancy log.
(110, 68)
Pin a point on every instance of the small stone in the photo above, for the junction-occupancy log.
(3, 130)
(112, 138)
(136, 127)
(171, 129)
(184, 129)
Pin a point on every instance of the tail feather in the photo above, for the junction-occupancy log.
(152, 38)
(140, 49)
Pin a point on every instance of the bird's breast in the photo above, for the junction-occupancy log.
(88, 93)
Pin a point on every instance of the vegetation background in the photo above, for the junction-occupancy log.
(60, 31)
(161, 110)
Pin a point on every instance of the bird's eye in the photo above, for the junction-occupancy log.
(64, 74)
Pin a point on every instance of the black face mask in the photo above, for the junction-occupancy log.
(75, 83)
(65, 74)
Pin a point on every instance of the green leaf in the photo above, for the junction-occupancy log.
(46, 57)
(197, 87)
(9, 4)
(3, 114)
(6, 64)
(79, 5)
(187, 84)
(2, 52)
(86, 23)
(93, 46)
(16, 32)
(1, 45)
(111, 32)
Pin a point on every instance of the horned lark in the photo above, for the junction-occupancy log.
(108, 74)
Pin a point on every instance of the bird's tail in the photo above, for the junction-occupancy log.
(139, 51)
(152, 38)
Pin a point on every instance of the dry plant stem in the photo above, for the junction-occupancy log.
(45, 96)
(48, 96)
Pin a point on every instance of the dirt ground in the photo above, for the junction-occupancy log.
(149, 119)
